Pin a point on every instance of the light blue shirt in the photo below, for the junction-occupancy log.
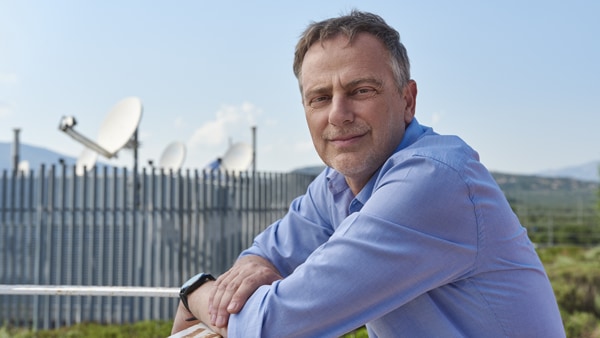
(428, 248)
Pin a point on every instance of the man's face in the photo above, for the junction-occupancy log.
(355, 112)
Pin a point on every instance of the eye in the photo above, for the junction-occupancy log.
(364, 92)
(319, 101)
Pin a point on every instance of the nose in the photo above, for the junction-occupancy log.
(341, 112)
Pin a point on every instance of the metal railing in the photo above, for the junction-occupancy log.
(112, 228)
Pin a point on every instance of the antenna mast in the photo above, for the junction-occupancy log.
(15, 151)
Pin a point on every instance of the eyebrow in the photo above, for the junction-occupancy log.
(368, 80)
(317, 91)
(354, 83)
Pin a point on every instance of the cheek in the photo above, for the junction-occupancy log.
(392, 131)
(316, 123)
(317, 127)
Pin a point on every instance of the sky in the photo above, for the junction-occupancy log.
(517, 80)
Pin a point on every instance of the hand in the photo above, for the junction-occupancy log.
(234, 287)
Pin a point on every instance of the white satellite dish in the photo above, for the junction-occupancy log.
(116, 132)
(86, 161)
(172, 157)
(237, 158)
(120, 124)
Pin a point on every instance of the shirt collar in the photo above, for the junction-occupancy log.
(335, 181)
(412, 133)
(337, 186)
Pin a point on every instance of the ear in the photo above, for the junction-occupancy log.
(409, 94)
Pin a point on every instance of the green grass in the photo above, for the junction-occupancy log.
(575, 276)
(146, 329)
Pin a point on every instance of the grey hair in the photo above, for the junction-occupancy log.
(351, 25)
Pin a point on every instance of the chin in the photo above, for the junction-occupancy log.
(352, 167)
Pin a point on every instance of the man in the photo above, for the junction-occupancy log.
(405, 231)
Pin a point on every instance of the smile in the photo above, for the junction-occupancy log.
(346, 140)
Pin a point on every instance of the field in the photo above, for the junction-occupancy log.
(555, 211)
(575, 276)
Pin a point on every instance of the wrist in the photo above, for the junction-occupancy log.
(199, 302)
(188, 288)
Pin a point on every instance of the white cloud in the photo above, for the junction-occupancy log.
(251, 112)
(230, 123)
(210, 133)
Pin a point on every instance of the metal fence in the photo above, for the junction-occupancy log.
(112, 228)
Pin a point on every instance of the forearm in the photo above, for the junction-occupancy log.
(343, 284)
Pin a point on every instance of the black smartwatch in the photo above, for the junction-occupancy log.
(190, 286)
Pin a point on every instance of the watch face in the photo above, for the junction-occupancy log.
(191, 285)
(199, 278)
(190, 281)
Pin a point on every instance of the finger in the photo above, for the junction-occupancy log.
(215, 296)
(254, 276)
(241, 294)
(228, 289)
(219, 296)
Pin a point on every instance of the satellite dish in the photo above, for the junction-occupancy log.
(120, 124)
(117, 131)
(23, 167)
(86, 161)
(172, 157)
(237, 158)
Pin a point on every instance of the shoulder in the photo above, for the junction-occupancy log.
(436, 168)
(435, 154)
(449, 150)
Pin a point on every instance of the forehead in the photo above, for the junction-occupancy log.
(337, 59)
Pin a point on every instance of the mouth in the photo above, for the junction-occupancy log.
(346, 140)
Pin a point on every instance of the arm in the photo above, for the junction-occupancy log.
(233, 288)
(408, 238)
(275, 254)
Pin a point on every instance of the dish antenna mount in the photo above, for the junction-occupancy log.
(119, 130)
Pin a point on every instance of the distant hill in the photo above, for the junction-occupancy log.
(36, 156)
(311, 170)
(584, 172)
(553, 192)
(557, 192)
